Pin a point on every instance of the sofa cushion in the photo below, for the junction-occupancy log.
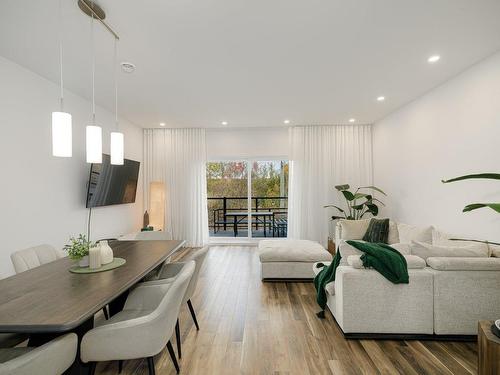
(292, 251)
(408, 233)
(464, 264)
(425, 250)
(413, 261)
(378, 231)
(352, 229)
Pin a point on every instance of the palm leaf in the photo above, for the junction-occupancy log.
(475, 206)
(331, 205)
(348, 195)
(342, 187)
(489, 176)
(373, 188)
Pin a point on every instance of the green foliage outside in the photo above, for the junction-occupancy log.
(229, 179)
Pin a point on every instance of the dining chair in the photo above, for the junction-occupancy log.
(32, 257)
(143, 328)
(54, 357)
(169, 272)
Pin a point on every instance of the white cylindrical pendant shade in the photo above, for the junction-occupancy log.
(94, 144)
(116, 148)
(62, 142)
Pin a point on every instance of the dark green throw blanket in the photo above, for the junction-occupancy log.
(386, 260)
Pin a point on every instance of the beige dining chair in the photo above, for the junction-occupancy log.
(32, 257)
(169, 272)
(54, 357)
(143, 328)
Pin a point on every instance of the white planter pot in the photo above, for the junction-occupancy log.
(84, 262)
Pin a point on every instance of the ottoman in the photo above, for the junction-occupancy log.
(290, 259)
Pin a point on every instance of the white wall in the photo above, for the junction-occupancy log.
(42, 198)
(451, 131)
(230, 143)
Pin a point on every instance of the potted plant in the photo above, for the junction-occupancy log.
(78, 249)
(358, 204)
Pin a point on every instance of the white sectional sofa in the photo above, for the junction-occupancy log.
(446, 296)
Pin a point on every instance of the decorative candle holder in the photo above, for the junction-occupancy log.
(95, 257)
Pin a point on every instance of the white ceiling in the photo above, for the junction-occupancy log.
(255, 63)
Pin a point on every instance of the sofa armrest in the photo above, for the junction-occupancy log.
(464, 264)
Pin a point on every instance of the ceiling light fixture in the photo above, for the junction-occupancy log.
(286, 122)
(433, 59)
(117, 138)
(162, 124)
(128, 67)
(224, 123)
(93, 131)
(352, 120)
(62, 138)
(381, 98)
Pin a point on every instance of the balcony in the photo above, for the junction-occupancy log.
(230, 217)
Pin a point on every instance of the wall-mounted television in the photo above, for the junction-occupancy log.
(112, 184)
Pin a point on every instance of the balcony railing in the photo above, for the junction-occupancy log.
(267, 213)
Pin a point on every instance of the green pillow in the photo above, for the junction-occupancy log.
(378, 231)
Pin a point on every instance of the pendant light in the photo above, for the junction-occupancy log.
(62, 142)
(93, 131)
(116, 137)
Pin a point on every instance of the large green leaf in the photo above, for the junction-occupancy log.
(360, 195)
(373, 209)
(333, 206)
(475, 206)
(342, 187)
(489, 176)
(373, 188)
(348, 195)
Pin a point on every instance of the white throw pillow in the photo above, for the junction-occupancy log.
(352, 229)
(347, 250)
(403, 248)
(425, 250)
(409, 233)
(393, 233)
(444, 239)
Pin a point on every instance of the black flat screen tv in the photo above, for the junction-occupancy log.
(112, 184)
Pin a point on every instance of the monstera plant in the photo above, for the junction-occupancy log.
(474, 206)
(357, 203)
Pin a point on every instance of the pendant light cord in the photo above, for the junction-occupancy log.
(93, 65)
(116, 84)
(61, 54)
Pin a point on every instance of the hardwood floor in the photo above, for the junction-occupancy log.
(250, 327)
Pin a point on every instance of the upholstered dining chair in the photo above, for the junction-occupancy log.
(143, 328)
(169, 272)
(33, 257)
(54, 357)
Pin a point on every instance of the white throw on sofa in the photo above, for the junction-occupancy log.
(446, 295)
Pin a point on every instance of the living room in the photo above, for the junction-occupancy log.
(275, 187)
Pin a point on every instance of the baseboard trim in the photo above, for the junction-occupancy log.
(407, 337)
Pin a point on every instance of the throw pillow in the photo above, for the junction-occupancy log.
(352, 229)
(378, 231)
(425, 250)
(408, 233)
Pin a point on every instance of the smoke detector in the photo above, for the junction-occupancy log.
(128, 67)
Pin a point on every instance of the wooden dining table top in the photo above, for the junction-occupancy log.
(49, 298)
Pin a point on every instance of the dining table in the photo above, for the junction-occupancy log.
(49, 301)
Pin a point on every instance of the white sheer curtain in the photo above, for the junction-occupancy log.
(322, 157)
(177, 157)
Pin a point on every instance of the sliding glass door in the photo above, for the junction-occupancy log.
(247, 199)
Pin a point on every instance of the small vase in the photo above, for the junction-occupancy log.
(84, 262)
(95, 257)
(106, 252)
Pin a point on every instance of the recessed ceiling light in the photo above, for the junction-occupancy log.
(162, 124)
(433, 59)
(381, 98)
(128, 67)
(286, 122)
(352, 120)
(224, 123)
